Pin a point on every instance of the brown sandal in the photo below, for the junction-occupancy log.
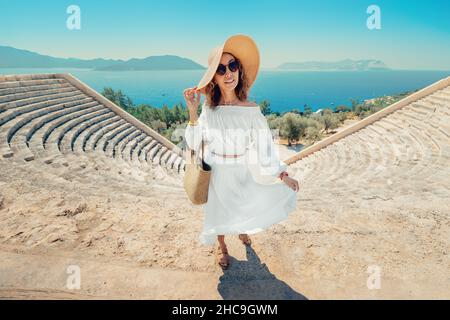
(219, 255)
(247, 240)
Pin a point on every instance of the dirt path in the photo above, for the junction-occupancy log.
(133, 240)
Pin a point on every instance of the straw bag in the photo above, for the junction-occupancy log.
(196, 177)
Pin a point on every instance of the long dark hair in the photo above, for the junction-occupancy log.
(212, 90)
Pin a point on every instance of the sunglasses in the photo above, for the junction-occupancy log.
(233, 66)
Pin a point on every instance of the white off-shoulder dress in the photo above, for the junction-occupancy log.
(245, 194)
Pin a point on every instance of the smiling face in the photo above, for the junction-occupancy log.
(229, 80)
(231, 85)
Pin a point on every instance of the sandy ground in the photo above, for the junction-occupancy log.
(135, 235)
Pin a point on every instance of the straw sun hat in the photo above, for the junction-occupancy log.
(240, 46)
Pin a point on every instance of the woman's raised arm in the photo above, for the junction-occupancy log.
(194, 133)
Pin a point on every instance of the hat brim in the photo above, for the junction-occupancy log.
(243, 48)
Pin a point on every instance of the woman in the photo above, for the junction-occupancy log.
(246, 194)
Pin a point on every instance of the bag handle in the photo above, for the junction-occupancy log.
(197, 158)
(203, 151)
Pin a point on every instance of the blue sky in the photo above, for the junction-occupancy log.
(413, 35)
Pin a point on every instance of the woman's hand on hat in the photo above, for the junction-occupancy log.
(192, 97)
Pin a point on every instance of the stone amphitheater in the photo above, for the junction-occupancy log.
(85, 184)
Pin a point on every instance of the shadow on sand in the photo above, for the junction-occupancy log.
(250, 279)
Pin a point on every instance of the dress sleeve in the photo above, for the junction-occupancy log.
(267, 151)
(193, 134)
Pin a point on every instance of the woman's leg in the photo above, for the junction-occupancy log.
(245, 238)
(223, 249)
(221, 239)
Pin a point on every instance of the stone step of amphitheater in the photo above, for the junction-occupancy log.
(51, 117)
(84, 183)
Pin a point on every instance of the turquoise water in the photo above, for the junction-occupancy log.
(285, 90)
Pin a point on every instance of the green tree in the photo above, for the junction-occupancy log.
(167, 115)
(342, 116)
(273, 121)
(313, 134)
(158, 125)
(292, 127)
(179, 114)
(307, 110)
(326, 111)
(330, 122)
(265, 107)
(355, 103)
(342, 108)
(118, 98)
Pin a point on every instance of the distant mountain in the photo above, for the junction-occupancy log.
(16, 58)
(166, 62)
(342, 65)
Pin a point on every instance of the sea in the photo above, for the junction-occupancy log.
(285, 90)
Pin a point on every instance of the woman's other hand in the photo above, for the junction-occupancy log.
(291, 183)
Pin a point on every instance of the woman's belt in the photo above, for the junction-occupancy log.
(228, 155)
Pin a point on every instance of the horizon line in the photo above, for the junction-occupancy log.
(176, 55)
